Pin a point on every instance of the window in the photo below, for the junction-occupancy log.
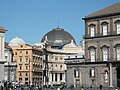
(20, 74)
(15, 53)
(51, 57)
(40, 66)
(105, 54)
(76, 73)
(92, 55)
(40, 58)
(52, 76)
(55, 76)
(60, 76)
(20, 79)
(21, 46)
(118, 28)
(118, 53)
(69, 57)
(106, 76)
(104, 29)
(60, 66)
(26, 60)
(56, 58)
(26, 74)
(26, 79)
(92, 31)
(20, 53)
(26, 67)
(26, 52)
(20, 67)
(61, 58)
(92, 72)
(77, 83)
(20, 59)
(93, 81)
(6, 57)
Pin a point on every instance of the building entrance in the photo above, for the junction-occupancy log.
(118, 76)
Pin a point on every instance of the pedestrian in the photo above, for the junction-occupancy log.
(82, 88)
(58, 88)
(1, 87)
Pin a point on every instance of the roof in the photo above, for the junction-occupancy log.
(2, 30)
(110, 10)
(58, 37)
(16, 41)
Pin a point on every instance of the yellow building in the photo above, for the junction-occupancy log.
(29, 62)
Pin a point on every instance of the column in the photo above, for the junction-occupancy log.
(63, 77)
(54, 77)
(98, 28)
(111, 26)
(3, 47)
(43, 80)
(58, 78)
(50, 78)
(98, 51)
(111, 83)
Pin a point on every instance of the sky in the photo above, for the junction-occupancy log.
(32, 19)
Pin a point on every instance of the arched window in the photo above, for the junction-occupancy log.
(117, 26)
(92, 72)
(106, 76)
(117, 48)
(104, 28)
(60, 66)
(92, 30)
(76, 73)
(92, 55)
(118, 53)
(105, 54)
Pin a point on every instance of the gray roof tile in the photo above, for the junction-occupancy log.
(115, 8)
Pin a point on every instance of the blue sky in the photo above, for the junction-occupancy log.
(32, 19)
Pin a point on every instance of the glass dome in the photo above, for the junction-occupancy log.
(58, 37)
(16, 41)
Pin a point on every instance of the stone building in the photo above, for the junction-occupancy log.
(102, 46)
(2, 59)
(29, 62)
(101, 65)
(9, 66)
(74, 74)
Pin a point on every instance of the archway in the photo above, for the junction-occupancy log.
(118, 76)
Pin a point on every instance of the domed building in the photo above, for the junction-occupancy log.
(60, 44)
(16, 41)
(58, 37)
